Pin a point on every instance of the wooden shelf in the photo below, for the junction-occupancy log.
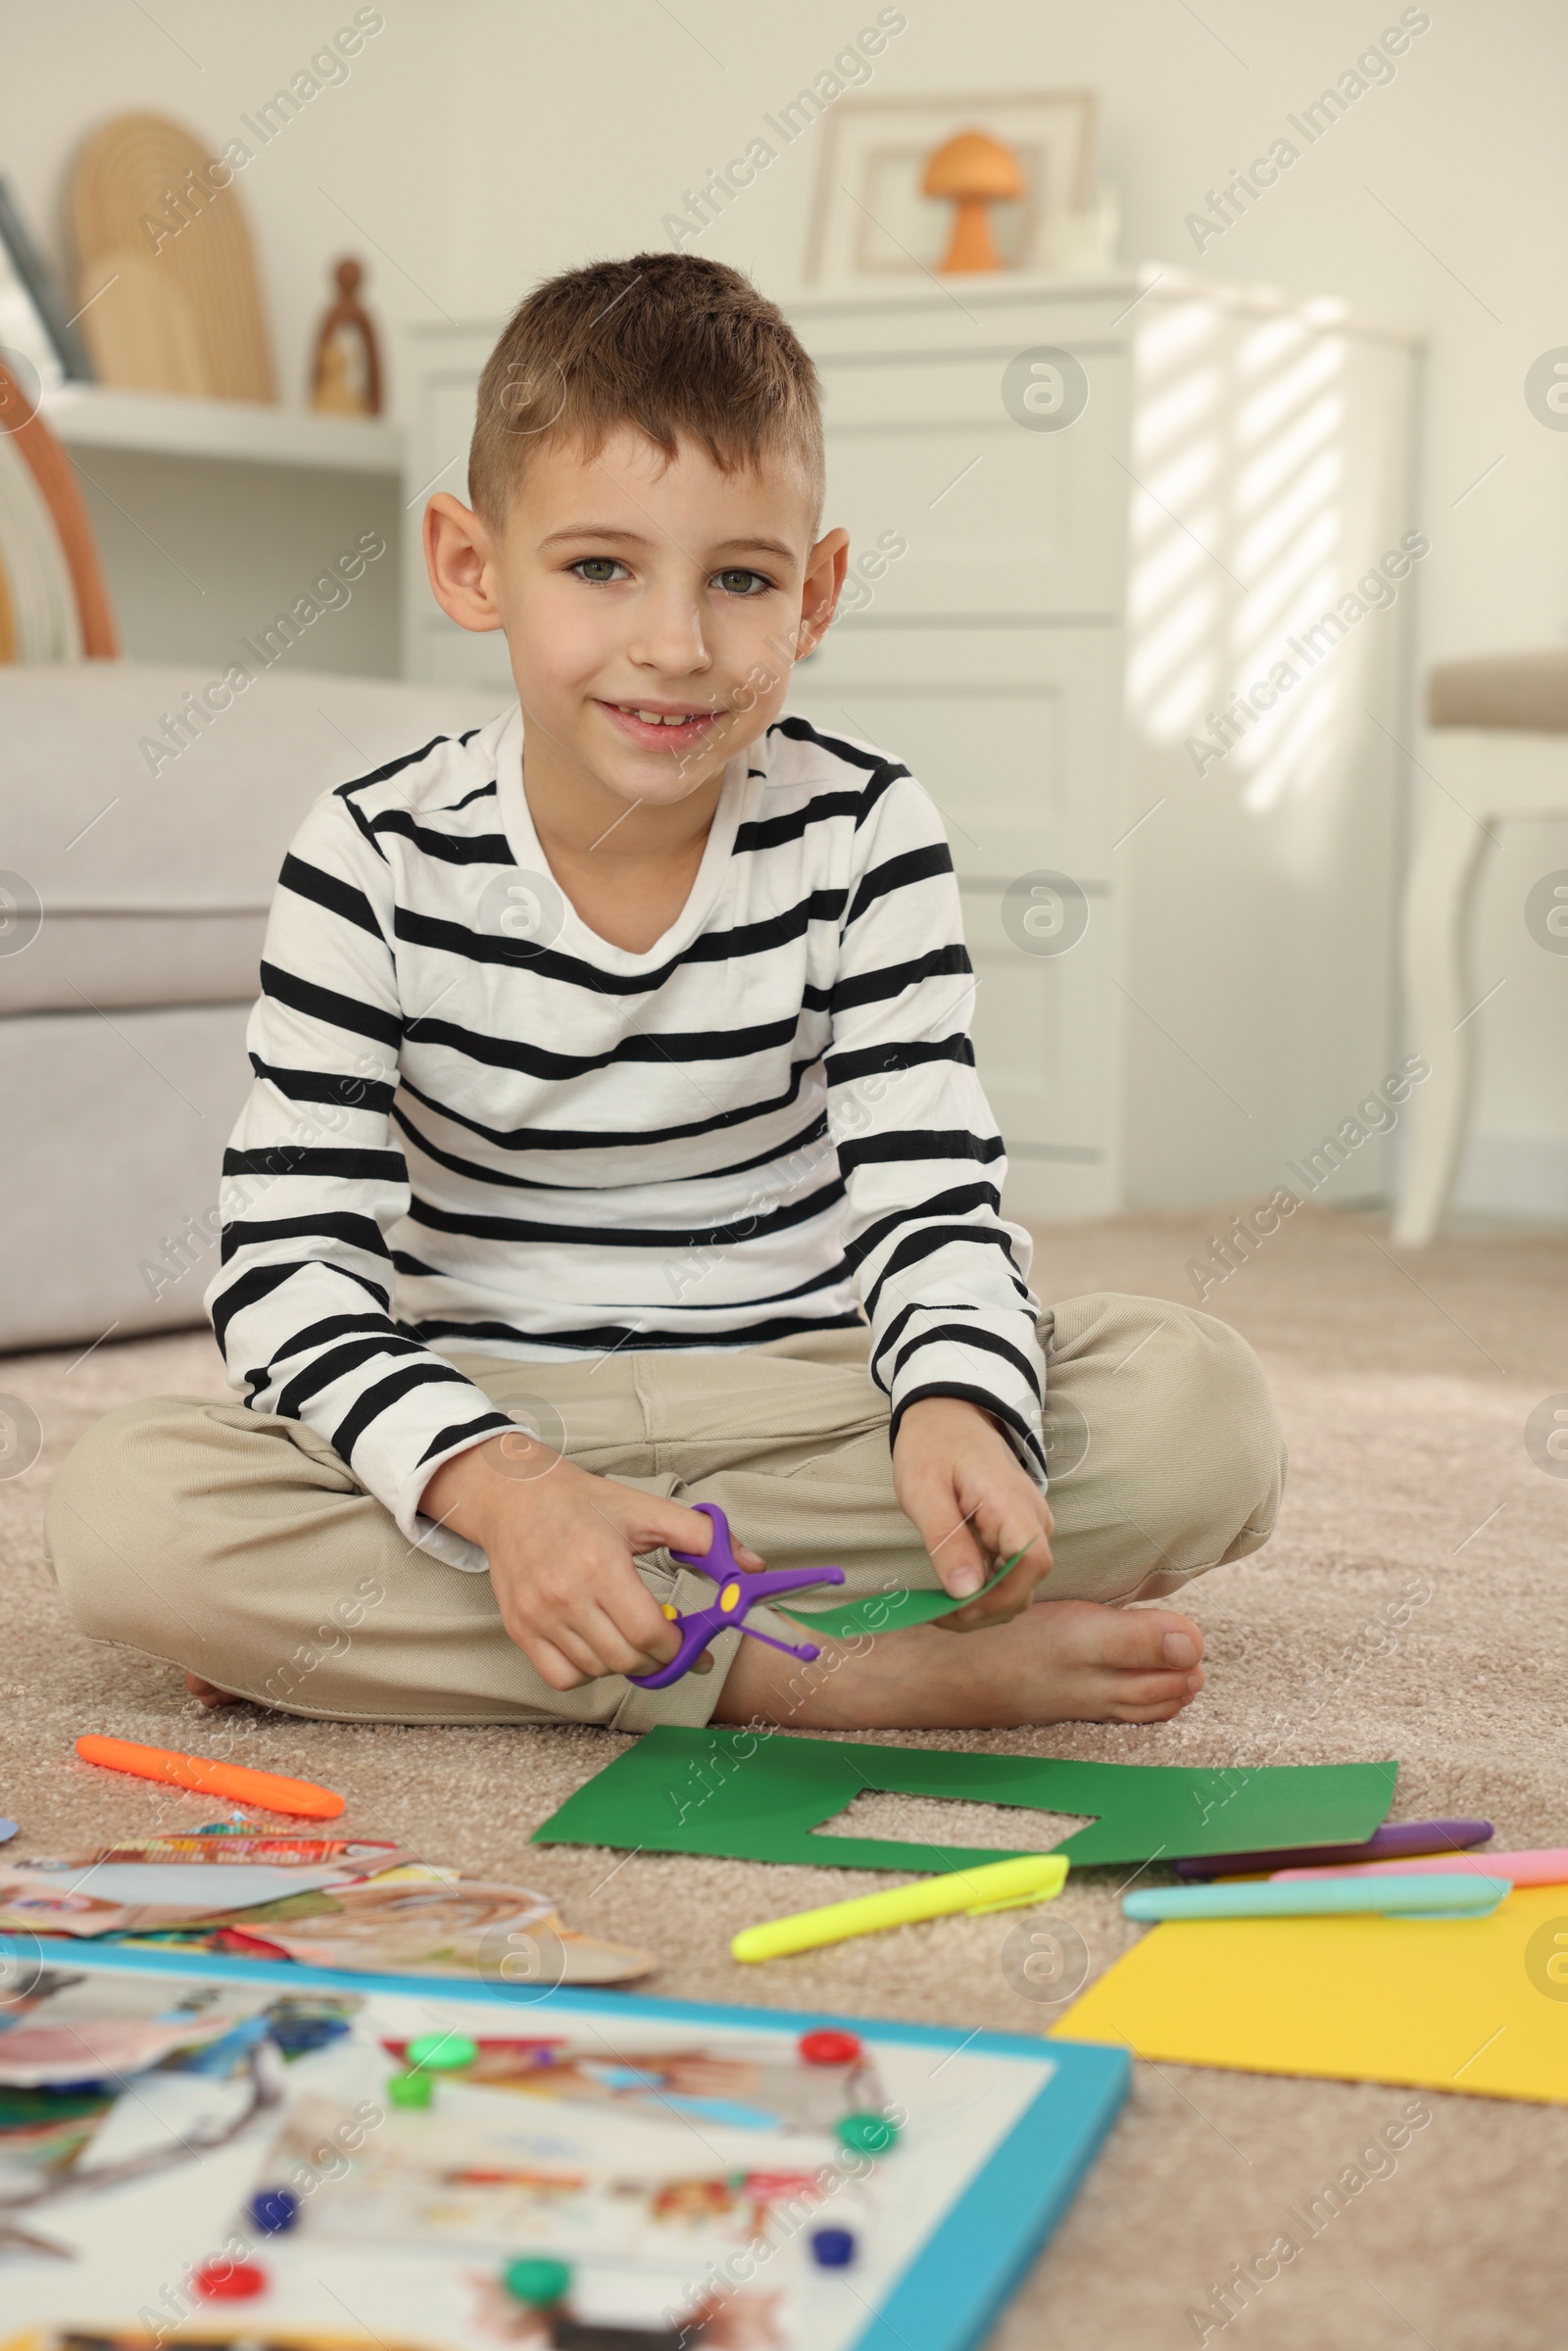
(165, 424)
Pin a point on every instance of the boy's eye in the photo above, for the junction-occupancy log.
(741, 583)
(599, 568)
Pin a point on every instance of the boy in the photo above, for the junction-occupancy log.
(616, 1143)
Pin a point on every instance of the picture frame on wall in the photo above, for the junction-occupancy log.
(870, 223)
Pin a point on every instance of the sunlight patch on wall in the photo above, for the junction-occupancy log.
(1237, 534)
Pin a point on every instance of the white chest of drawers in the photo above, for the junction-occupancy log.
(1055, 614)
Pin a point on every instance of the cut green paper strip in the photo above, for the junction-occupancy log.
(746, 1796)
(890, 1611)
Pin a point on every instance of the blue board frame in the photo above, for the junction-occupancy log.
(961, 2280)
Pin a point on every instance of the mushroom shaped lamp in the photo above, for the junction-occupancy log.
(975, 169)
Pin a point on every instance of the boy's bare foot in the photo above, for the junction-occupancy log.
(1058, 1661)
(208, 1692)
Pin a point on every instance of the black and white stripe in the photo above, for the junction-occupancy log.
(768, 1124)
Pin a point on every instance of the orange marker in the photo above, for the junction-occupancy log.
(266, 1789)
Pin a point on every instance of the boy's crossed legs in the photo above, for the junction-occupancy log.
(241, 1547)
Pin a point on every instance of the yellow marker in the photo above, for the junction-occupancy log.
(997, 1885)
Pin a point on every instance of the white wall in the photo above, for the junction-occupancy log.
(481, 143)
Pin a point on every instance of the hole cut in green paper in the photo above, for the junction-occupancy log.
(896, 1819)
(762, 1795)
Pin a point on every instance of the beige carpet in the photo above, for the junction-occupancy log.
(1404, 1387)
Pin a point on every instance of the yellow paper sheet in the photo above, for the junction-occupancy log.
(1459, 2004)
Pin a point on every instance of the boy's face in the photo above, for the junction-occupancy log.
(653, 610)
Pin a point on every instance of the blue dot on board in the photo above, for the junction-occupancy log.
(297, 2035)
(274, 2210)
(833, 2248)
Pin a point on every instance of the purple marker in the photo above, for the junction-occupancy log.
(1395, 1841)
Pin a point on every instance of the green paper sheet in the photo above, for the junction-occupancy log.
(750, 1797)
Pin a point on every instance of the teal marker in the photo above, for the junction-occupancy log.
(1425, 1897)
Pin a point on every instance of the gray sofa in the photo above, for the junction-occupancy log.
(132, 910)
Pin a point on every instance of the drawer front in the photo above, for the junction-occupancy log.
(442, 375)
(435, 647)
(1043, 1028)
(1014, 733)
(994, 520)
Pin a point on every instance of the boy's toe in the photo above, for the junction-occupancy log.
(1149, 1689)
(208, 1692)
(1149, 1714)
(1136, 1640)
(1153, 1637)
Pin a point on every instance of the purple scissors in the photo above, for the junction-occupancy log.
(739, 1589)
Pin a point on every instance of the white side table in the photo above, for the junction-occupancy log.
(1502, 754)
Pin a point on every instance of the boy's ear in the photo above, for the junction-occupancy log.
(820, 594)
(459, 556)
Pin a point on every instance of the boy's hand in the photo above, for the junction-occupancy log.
(973, 1504)
(561, 1544)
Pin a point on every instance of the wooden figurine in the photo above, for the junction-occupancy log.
(975, 170)
(346, 368)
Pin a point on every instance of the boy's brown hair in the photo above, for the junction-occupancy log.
(671, 343)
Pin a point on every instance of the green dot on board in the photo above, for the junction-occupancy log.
(536, 2278)
(441, 2052)
(866, 2134)
(411, 2089)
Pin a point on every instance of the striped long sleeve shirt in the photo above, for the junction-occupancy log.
(475, 1126)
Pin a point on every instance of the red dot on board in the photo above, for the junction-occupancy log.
(230, 2281)
(829, 2049)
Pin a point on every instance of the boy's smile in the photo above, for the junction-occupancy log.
(653, 610)
(662, 727)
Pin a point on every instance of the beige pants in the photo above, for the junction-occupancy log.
(240, 1545)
